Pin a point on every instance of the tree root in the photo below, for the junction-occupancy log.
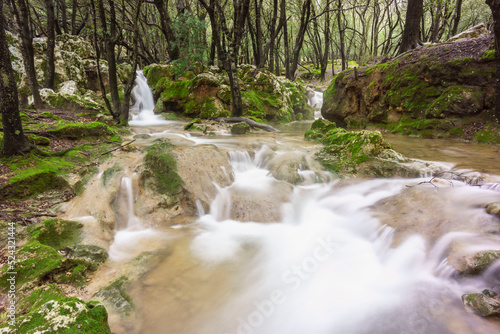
(250, 122)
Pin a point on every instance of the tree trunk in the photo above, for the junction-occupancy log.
(304, 20)
(14, 140)
(51, 42)
(64, 16)
(109, 46)
(456, 20)
(495, 9)
(285, 39)
(324, 60)
(74, 27)
(411, 32)
(166, 28)
(341, 35)
(21, 14)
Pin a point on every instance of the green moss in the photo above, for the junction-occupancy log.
(116, 295)
(38, 140)
(161, 170)
(109, 173)
(81, 130)
(56, 233)
(489, 134)
(488, 55)
(170, 116)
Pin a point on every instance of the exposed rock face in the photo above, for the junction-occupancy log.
(75, 72)
(207, 94)
(436, 90)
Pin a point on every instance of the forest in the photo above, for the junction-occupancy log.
(249, 166)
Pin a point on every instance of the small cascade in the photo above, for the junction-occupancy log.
(142, 111)
(131, 236)
(316, 101)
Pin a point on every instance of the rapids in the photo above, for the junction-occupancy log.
(336, 257)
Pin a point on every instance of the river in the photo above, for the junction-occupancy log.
(334, 256)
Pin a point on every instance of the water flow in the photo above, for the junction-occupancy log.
(316, 101)
(142, 111)
(131, 236)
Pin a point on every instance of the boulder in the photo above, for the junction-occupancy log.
(477, 263)
(493, 208)
(240, 128)
(477, 31)
(485, 304)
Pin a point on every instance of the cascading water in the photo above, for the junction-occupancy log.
(142, 110)
(325, 266)
(131, 235)
(316, 101)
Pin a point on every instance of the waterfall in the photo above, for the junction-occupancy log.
(132, 237)
(142, 111)
(316, 101)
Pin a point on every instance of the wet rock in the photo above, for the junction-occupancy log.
(240, 129)
(193, 122)
(485, 304)
(115, 295)
(477, 263)
(493, 208)
(92, 254)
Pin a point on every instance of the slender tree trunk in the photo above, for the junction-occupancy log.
(456, 20)
(304, 20)
(324, 60)
(272, 37)
(411, 32)
(341, 34)
(495, 9)
(14, 140)
(21, 14)
(74, 27)
(51, 42)
(64, 16)
(166, 28)
(124, 115)
(285, 39)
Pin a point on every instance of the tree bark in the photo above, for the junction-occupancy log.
(51, 42)
(456, 20)
(495, 9)
(166, 28)
(324, 59)
(21, 13)
(14, 140)
(411, 32)
(304, 20)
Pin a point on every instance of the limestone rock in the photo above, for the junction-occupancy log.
(68, 88)
(485, 304)
(493, 208)
(477, 31)
(477, 263)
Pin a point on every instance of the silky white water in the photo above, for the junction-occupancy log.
(131, 237)
(316, 101)
(142, 113)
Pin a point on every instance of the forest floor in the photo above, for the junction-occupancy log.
(31, 210)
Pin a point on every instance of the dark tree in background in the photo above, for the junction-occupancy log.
(495, 9)
(14, 140)
(21, 14)
(411, 32)
(51, 42)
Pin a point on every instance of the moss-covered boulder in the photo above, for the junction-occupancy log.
(240, 128)
(360, 152)
(430, 91)
(208, 94)
(31, 182)
(485, 304)
(48, 310)
(493, 208)
(159, 170)
(81, 130)
(477, 263)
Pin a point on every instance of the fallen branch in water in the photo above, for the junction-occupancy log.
(117, 148)
(250, 122)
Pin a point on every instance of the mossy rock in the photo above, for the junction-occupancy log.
(485, 304)
(80, 130)
(38, 140)
(457, 100)
(56, 233)
(94, 255)
(109, 173)
(489, 134)
(193, 122)
(116, 295)
(240, 128)
(30, 183)
(160, 170)
(493, 209)
(47, 310)
(478, 263)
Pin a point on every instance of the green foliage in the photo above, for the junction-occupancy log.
(489, 134)
(189, 31)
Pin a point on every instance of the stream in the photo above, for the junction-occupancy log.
(321, 256)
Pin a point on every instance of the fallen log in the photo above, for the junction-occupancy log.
(250, 122)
